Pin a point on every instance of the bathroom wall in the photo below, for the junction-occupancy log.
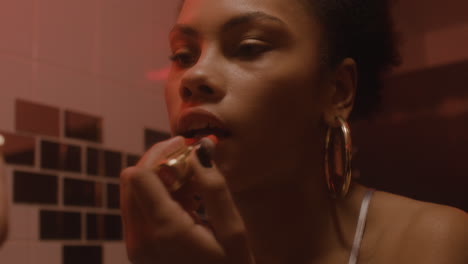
(417, 145)
(80, 98)
(433, 33)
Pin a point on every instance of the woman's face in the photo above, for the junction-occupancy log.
(250, 68)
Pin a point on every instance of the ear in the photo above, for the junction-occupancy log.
(342, 92)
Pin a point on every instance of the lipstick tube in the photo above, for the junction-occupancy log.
(174, 170)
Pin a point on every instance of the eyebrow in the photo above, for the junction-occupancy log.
(231, 23)
(249, 18)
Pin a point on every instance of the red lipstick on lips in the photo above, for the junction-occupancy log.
(198, 123)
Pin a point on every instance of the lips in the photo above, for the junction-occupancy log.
(198, 123)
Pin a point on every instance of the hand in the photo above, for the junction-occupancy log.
(161, 227)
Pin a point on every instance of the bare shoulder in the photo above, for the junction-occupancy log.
(441, 233)
(422, 232)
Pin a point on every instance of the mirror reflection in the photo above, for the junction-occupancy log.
(82, 98)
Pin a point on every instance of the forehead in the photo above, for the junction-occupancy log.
(209, 13)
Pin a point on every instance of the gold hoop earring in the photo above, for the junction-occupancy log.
(338, 151)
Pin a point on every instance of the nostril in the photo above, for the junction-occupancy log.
(205, 89)
(186, 92)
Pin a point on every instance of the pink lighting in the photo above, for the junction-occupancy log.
(158, 74)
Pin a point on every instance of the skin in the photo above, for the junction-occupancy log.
(266, 196)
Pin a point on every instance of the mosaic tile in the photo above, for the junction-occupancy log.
(34, 188)
(112, 163)
(94, 161)
(18, 149)
(82, 193)
(103, 227)
(37, 118)
(113, 198)
(58, 156)
(82, 254)
(83, 126)
(60, 225)
(50, 155)
(72, 158)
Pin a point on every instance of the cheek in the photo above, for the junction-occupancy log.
(173, 102)
(284, 97)
(274, 116)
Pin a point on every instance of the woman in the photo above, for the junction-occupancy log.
(269, 79)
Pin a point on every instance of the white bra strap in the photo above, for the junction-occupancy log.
(360, 227)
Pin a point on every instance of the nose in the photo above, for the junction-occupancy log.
(204, 81)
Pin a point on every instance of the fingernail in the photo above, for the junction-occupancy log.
(204, 156)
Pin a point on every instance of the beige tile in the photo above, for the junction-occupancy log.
(128, 38)
(16, 26)
(115, 253)
(23, 225)
(66, 32)
(46, 253)
(119, 107)
(66, 89)
(133, 106)
(15, 81)
(16, 252)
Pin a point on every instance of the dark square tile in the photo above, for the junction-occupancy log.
(58, 156)
(72, 158)
(82, 193)
(83, 126)
(60, 225)
(103, 227)
(37, 118)
(95, 227)
(132, 160)
(113, 227)
(113, 196)
(19, 149)
(92, 161)
(34, 188)
(82, 255)
(153, 136)
(112, 163)
(50, 155)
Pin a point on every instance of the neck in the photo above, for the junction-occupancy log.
(292, 223)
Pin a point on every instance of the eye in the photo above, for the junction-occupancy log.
(252, 49)
(183, 59)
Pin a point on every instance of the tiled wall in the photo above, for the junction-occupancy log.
(75, 104)
(94, 56)
(77, 90)
(64, 186)
(433, 33)
(418, 145)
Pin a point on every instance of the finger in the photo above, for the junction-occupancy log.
(131, 216)
(158, 154)
(222, 212)
(161, 150)
(152, 197)
(185, 197)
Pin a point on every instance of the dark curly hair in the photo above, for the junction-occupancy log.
(362, 30)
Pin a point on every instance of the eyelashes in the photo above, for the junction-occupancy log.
(183, 59)
(247, 50)
(251, 49)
